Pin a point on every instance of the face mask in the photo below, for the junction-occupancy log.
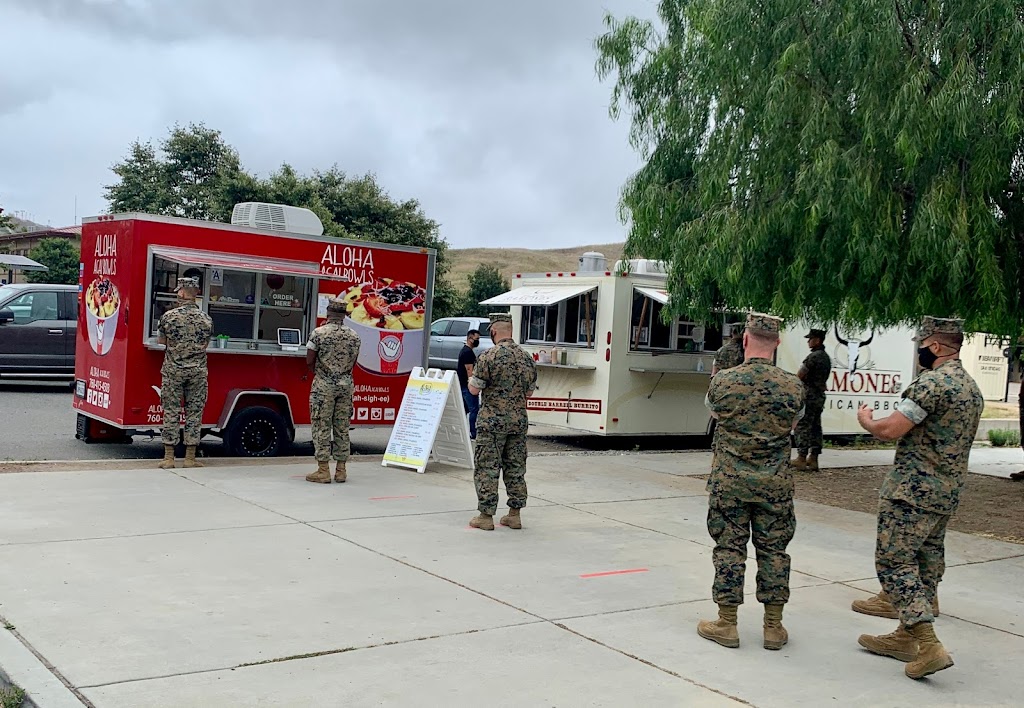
(475, 343)
(926, 357)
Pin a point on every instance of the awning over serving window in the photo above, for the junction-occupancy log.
(546, 295)
(235, 261)
(655, 294)
(20, 263)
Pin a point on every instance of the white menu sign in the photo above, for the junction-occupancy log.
(432, 418)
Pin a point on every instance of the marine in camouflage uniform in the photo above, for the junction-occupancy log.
(935, 423)
(729, 354)
(751, 484)
(331, 353)
(814, 372)
(185, 331)
(504, 376)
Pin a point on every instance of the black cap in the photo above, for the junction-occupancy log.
(816, 334)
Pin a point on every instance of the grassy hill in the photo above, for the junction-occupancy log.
(524, 260)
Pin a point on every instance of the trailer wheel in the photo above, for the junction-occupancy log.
(256, 432)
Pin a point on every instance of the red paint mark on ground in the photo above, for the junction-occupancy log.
(614, 572)
(408, 496)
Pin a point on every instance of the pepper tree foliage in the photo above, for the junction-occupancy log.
(194, 173)
(853, 161)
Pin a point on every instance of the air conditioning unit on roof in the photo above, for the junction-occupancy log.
(642, 266)
(277, 217)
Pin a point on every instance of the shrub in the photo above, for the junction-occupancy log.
(1004, 438)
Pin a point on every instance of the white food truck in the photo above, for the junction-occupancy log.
(608, 364)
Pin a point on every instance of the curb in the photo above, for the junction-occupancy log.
(22, 667)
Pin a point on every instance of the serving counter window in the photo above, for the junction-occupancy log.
(165, 280)
(244, 305)
(232, 304)
(649, 332)
(571, 321)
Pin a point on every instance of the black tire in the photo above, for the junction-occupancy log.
(256, 432)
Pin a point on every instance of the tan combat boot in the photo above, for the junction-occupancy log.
(881, 606)
(484, 522)
(512, 519)
(723, 630)
(168, 462)
(190, 457)
(900, 644)
(931, 655)
(340, 472)
(322, 474)
(800, 463)
(775, 635)
(812, 463)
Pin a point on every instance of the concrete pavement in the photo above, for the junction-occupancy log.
(247, 586)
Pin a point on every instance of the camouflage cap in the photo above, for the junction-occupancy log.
(192, 283)
(760, 322)
(337, 306)
(938, 325)
(497, 317)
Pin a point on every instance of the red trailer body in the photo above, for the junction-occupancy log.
(259, 287)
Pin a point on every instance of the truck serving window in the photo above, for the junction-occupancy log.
(243, 305)
(649, 331)
(571, 321)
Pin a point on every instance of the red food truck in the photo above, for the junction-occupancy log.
(265, 289)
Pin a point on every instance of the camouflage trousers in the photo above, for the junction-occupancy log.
(808, 430)
(330, 412)
(503, 453)
(910, 558)
(188, 384)
(772, 525)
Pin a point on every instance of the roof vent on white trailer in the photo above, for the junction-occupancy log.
(277, 217)
(641, 266)
(592, 262)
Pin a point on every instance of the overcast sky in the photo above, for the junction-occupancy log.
(488, 112)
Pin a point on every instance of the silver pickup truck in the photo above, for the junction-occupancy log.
(448, 337)
(38, 327)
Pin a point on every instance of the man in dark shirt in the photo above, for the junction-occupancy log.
(467, 362)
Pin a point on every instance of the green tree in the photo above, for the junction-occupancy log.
(197, 175)
(856, 161)
(484, 283)
(61, 256)
(187, 177)
(6, 220)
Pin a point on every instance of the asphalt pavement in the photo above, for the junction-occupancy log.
(37, 422)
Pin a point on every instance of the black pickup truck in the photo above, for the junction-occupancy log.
(38, 327)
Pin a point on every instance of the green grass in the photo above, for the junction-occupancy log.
(11, 697)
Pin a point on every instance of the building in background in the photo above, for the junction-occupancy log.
(23, 243)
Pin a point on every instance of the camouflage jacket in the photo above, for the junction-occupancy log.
(187, 330)
(729, 355)
(819, 366)
(756, 404)
(506, 375)
(945, 405)
(337, 349)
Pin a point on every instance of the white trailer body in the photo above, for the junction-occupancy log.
(627, 373)
(872, 367)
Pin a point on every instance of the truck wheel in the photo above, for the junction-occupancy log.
(256, 432)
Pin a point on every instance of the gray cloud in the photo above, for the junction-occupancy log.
(488, 113)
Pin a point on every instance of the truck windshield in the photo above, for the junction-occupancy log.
(7, 292)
